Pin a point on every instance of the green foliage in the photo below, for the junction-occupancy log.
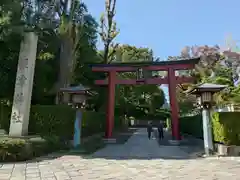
(76, 23)
(92, 144)
(16, 149)
(169, 123)
(218, 129)
(192, 125)
(8, 65)
(57, 121)
(223, 71)
(226, 127)
(108, 30)
(234, 95)
(46, 120)
(55, 124)
(48, 53)
(5, 115)
(154, 117)
(160, 114)
(223, 81)
(92, 123)
(52, 120)
(13, 149)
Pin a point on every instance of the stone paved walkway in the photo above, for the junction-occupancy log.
(139, 146)
(138, 159)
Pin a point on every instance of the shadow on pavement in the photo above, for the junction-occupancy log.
(138, 147)
(189, 144)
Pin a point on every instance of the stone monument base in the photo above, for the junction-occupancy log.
(34, 138)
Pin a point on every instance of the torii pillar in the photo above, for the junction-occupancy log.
(173, 104)
(111, 104)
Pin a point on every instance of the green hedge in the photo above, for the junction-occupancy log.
(226, 127)
(57, 120)
(16, 149)
(55, 124)
(192, 125)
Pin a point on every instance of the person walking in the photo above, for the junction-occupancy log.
(160, 130)
(149, 129)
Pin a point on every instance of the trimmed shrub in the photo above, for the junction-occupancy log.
(52, 120)
(226, 127)
(55, 124)
(57, 120)
(218, 129)
(92, 123)
(192, 125)
(16, 149)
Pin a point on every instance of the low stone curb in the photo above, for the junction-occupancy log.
(224, 150)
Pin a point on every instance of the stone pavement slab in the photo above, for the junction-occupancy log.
(75, 167)
(141, 147)
(190, 145)
(140, 158)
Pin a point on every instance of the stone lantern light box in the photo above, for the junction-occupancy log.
(75, 95)
(204, 92)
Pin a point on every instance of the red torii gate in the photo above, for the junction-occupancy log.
(171, 80)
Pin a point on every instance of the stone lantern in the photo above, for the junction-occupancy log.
(204, 93)
(76, 97)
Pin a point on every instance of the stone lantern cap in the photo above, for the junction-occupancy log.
(79, 89)
(207, 87)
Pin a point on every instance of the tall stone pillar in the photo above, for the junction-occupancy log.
(23, 86)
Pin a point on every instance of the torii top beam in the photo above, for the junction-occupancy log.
(150, 66)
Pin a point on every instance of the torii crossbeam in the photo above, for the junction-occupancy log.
(171, 79)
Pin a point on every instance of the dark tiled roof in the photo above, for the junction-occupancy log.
(206, 87)
(78, 88)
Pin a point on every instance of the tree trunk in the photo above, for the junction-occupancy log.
(66, 62)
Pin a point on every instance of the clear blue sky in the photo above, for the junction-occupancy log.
(167, 26)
